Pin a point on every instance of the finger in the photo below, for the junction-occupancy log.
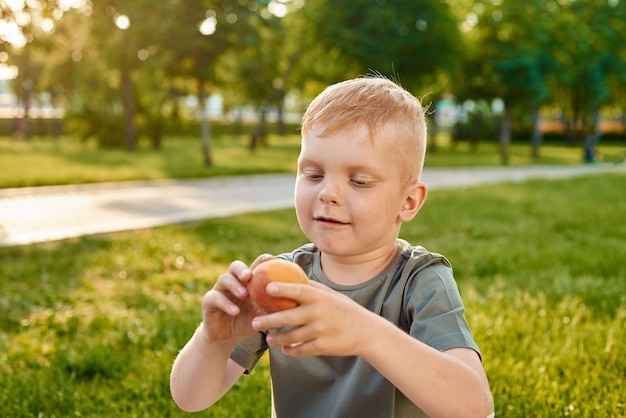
(240, 270)
(272, 321)
(288, 318)
(301, 293)
(261, 259)
(232, 285)
(294, 346)
(287, 336)
(300, 349)
(217, 300)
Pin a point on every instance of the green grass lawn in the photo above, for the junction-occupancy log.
(67, 161)
(89, 327)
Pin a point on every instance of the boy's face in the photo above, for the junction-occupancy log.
(350, 195)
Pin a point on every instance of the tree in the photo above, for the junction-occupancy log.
(201, 32)
(27, 44)
(263, 71)
(508, 60)
(95, 66)
(416, 43)
(411, 40)
(590, 55)
(529, 53)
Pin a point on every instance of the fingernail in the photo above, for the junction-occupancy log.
(271, 288)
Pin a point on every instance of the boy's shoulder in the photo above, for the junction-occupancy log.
(301, 255)
(418, 256)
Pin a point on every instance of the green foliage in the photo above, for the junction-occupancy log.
(558, 55)
(120, 84)
(89, 327)
(410, 39)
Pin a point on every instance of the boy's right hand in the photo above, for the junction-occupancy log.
(226, 309)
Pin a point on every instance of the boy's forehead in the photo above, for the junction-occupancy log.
(319, 134)
(353, 142)
(358, 131)
(388, 135)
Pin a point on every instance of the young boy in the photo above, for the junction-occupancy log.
(380, 331)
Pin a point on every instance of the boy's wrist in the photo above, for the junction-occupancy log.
(369, 337)
(205, 340)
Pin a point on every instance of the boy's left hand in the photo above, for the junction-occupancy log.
(325, 323)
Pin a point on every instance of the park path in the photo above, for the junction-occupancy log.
(39, 214)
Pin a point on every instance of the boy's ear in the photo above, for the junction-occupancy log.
(414, 201)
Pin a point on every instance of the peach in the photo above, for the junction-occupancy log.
(274, 270)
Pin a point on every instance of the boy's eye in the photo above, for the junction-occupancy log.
(313, 176)
(361, 182)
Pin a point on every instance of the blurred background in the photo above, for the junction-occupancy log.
(116, 90)
(121, 72)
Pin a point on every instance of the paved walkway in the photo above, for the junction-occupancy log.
(39, 214)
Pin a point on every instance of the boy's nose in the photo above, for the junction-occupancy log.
(329, 193)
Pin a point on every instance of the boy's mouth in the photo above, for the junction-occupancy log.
(329, 220)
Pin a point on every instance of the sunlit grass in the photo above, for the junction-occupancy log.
(95, 333)
(89, 327)
(68, 161)
(487, 154)
(541, 271)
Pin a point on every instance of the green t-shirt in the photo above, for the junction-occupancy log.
(417, 292)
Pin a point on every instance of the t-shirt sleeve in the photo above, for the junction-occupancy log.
(249, 350)
(435, 310)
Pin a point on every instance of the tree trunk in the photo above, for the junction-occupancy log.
(575, 128)
(205, 126)
(597, 132)
(475, 129)
(623, 118)
(293, 61)
(259, 136)
(238, 123)
(156, 137)
(537, 135)
(22, 126)
(281, 123)
(431, 138)
(156, 125)
(591, 140)
(504, 138)
(130, 110)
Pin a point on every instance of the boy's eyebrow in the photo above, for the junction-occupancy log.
(353, 167)
(305, 161)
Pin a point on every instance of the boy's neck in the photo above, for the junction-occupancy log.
(357, 269)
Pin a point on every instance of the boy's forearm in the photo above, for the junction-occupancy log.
(199, 376)
(437, 382)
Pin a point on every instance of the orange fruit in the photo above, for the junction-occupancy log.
(274, 270)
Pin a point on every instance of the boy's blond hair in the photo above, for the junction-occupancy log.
(383, 107)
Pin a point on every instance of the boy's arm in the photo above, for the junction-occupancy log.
(202, 373)
(450, 383)
(442, 384)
